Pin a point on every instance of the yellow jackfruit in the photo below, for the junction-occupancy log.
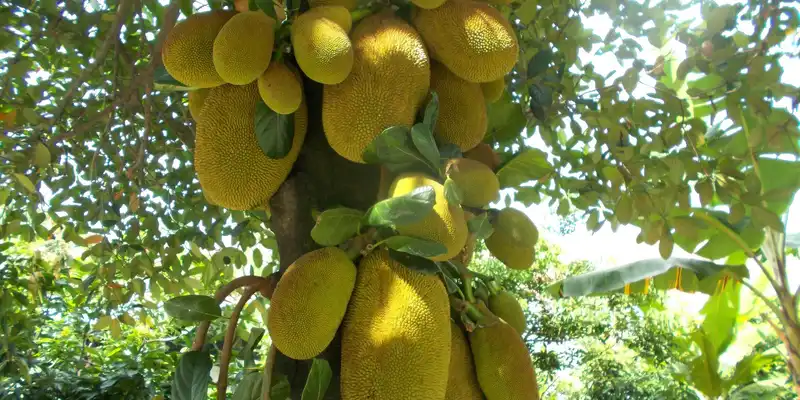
(243, 47)
(188, 51)
(348, 4)
(471, 38)
(462, 383)
(513, 239)
(396, 333)
(502, 362)
(485, 154)
(462, 111)
(478, 184)
(310, 301)
(322, 49)
(492, 91)
(280, 88)
(428, 4)
(445, 224)
(388, 84)
(338, 14)
(506, 306)
(233, 170)
(196, 100)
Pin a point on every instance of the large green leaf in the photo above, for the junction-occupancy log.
(747, 368)
(704, 371)
(528, 166)
(402, 210)
(506, 119)
(193, 307)
(318, 380)
(415, 246)
(249, 388)
(642, 276)
(721, 312)
(191, 379)
(336, 225)
(395, 149)
(274, 131)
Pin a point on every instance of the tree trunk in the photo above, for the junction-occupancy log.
(320, 179)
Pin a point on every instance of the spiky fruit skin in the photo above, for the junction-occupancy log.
(310, 301)
(513, 255)
(462, 111)
(428, 4)
(240, 61)
(348, 4)
(485, 154)
(396, 332)
(338, 14)
(462, 383)
(322, 49)
(492, 91)
(196, 100)
(231, 167)
(502, 362)
(280, 88)
(471, 38)
(478, 184)
(188, 51)
(444, 224)
(387, 51)
(506, 306)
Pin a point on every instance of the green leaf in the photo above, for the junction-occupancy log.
(415, 246)
(249, 388)
(280, 390)
(539, 63)
(764, 217)
(402, 210)
(624, 209)
(336, 225)
(318, 380)
(268, 7)
(395, 149)
(186, 7)
(529, 165)
(423, 140)
(191, 378)
(274, 131)
(452, 193)
(721, 312)
(25, 182)
(747, 368)
(193, 308)
(416, 263)
(448, 151)
(705, 367)
(165, 82)
(41, 155)
(432, 112)
(506, 119)
(480, 226)
(256, 334)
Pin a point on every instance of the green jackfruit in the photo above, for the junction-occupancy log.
(492, 91)
(517, 225)
(462, 110)
(321, 47)
(485, 154)
(445, 224)
(502, 362)
(188, 51)
(310, 301)
(506, 306)
(478, 184)
(396, 334)
(387, 51)
(280, 88)
(474, 40)
(232, 169)
(243, 47)
(513, 255)
(462, 383)
(196, 100)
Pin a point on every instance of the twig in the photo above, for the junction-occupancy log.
(266, 381)
(227, 346)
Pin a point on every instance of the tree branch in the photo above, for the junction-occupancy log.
(227, 346)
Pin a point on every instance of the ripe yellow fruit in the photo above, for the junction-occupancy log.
(348, 4)
(322, 49)
(243, 47)
(310, 301)
(428, 4)
(335, 13)
(471, 38)
(233, 170)
(462, 383)
(396, 334)
(388, 51)
(485, 154)
(506, 306)
(187, 53)
(513, 239)
(462, 111)
(196, 100)
(492, 91)
(502, 362)
(280, 88)
(445, 224)
(478, 184)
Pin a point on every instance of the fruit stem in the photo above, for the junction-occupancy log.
(463, 307)
(466, 277)
(493, 287)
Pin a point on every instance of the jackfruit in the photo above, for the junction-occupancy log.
(233, 170)
(513, 239)
(492, 91)
(478, 184)
(322, 49)
(278, 6)
(428, 4)
(516, 224)
(243, 47)
(471, 38)
(310, 301)
(502, 362)
(462, 383)
(396, 333)
(188, 51)
(348, 4)
(196, 100)
(462, 111)
(280, 88)
(485, 154)
(506, 306)
(338, 14)
(388, 84)
(445, 224)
